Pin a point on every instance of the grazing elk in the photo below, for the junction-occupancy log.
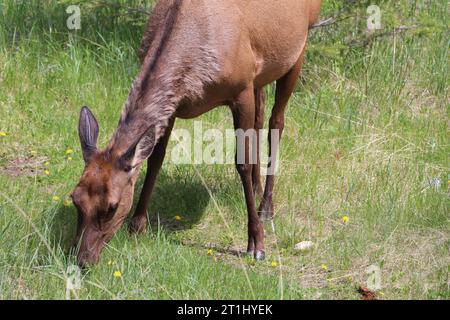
(195, 55)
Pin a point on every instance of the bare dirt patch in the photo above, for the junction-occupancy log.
(27, 166)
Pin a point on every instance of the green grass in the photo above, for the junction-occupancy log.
(366, 131)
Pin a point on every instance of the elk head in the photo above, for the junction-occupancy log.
(104, 195)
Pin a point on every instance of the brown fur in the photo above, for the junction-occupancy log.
(195, 56)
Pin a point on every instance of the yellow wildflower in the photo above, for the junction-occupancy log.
(324, 267)
(345, 219)
(67, 203)
(274, 264)
(3, 134)
(46, 163)
(69, 151)
(55, 198)
(69, 158)
(210, 252)
(117, 274)
(178, 218)
(47, 173)
(381, 293)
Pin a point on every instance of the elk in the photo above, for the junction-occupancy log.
(195, 55)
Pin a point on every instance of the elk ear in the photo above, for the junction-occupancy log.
(88, 131)
(139, 151)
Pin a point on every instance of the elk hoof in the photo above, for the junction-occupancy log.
(138, 225)
(259, 255)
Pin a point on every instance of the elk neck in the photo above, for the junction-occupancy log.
(175, 70)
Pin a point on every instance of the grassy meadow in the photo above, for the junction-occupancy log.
(365, 167)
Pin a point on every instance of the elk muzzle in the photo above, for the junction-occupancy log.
(91, 244)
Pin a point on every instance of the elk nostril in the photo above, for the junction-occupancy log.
(113, 207)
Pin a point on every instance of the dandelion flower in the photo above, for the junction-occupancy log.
(111, 262)
(274, 264)
(324, 267)
(117, 274)
(381, 293)
(178, 218)
(55, 198)
(69, 151)
(69, 158)
(345, 219)
(67, 203)
(210, 252)
(47, 172)
(46, 163)
(3, 134)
